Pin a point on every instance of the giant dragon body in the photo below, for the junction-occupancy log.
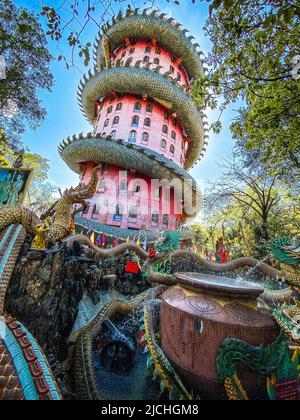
(32, 374)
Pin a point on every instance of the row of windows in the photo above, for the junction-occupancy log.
(148, 50)
(136, 121)
(137, 108)
(145, 139)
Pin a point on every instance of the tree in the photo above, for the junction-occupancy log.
(23, 49)
(251, 189)
(255, 43)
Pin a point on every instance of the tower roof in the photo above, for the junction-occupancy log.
(152, 25)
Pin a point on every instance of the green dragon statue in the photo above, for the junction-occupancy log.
(57, 226)
(275, 362)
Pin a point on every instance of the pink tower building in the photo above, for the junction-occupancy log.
(147, 131)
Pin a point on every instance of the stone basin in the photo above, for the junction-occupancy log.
(237, 288)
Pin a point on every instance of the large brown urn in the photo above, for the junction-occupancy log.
(197, 316)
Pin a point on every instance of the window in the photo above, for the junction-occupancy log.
(101, 187)
(94, 212)
(175, 122)
(158, 51)
(123, 185)
(116, 120)
(156, 61)
(133, 212)
(181, 159)
(148, 50)
(132, 136)
(123, 54)
(109, 110)
(155, 218)
(146, 59)
(137, 187)
(145, 137)
(165, 129)
(179, 77)
(174, 59)
(172, 149)
(147, 122)
(149, 108)
(137, 107)
(103, 134)
(172, 69)
(119, 210)
(132, 50)
(166, 116)
(128, 61)
(106, 122)
(119, 106)
(173, 135)
(135, 121)
(163, 144)
(113, 134)
(166, 219)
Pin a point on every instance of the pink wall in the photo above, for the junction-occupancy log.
(123, 128)
(138, 53)
(109, 194)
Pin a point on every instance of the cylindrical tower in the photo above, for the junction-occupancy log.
(146, 130)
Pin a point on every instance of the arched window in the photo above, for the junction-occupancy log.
(163, 144)
(145, 137)
(146, 59)
(148, 50)
(119, 210)
(119, 106)
(173, 135)
(158, 51)
(101, 187)
(156, 61)
(137, 107)
(165, 129)
(132, 136)
(106, 122)
(181, 159)
(129, 61)
(172, 69)
(165, 219)
(132, 215)
(166, 116)
(137, 187)
(123, 185)
(113, 134)
(147, 122)
(94, 210)
(103, 134)
(109, 110)
(116, 120)
(135, 121)
(132, 50)
(155, 218)
(172, 149)
(149, 108)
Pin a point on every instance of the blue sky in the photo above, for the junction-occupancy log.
(64, 117)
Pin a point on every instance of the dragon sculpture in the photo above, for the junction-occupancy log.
(287, 313)
(157, 268)
(57, 226)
